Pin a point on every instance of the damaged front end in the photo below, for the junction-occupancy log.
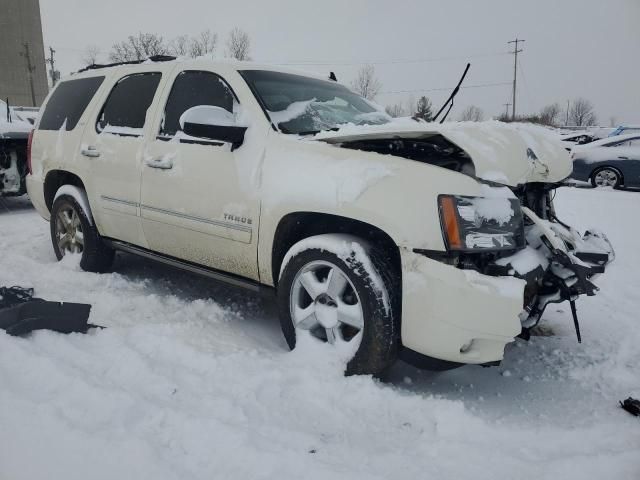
(518, 167)
(568, 263)
(556, 262)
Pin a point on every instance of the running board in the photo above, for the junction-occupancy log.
(214, 274)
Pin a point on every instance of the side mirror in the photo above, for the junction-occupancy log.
(212, 123)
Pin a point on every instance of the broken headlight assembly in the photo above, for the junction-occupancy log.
(481, 224)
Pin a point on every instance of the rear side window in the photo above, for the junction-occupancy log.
(190, 89)
(125, 110)
(68, 102)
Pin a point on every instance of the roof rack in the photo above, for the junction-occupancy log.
(153, 58)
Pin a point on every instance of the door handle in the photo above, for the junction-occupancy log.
(90, 151)
(160, 163)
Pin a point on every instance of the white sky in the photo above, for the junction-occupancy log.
(573, 48)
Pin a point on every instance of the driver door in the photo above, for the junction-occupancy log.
(192, 204)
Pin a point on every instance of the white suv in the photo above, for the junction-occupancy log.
(436, 243)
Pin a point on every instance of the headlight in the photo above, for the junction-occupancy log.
(481, 223)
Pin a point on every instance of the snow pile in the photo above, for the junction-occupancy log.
(293, 111)
(193, 381)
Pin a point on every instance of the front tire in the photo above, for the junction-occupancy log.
(72, 232)
(343, 299)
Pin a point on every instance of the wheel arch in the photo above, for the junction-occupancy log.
(297, 226)
(56, 179)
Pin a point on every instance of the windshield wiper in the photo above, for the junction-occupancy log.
(451, 97)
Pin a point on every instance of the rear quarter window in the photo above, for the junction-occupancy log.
(68, 102)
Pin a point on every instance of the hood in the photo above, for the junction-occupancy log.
(511, 154)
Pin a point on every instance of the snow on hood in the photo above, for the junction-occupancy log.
(510, 154)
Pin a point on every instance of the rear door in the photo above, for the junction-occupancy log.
(193, 206)
(112, 145)
(629, 154)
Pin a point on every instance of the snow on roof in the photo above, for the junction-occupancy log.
(211, 62)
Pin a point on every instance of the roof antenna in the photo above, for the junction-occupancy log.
(451, 97)
(332, 77)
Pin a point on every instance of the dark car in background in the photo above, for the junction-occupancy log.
(610, 162)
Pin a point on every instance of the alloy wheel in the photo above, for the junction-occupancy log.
(68, 230)
(606, 178)
(325, 303)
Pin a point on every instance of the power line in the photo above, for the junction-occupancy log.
(525, 84)
(364, 62)
(393, 62)
(515, 74)
(479, 85)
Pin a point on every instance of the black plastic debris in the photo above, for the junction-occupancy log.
(632, 406)
(21, 313)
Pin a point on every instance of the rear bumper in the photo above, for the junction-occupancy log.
(458, 315)
(35, 189)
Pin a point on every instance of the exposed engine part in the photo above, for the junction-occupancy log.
(576, 324)
(434, 150)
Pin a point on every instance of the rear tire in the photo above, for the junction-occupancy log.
(606, 177)
(374, 335)
(72, 232)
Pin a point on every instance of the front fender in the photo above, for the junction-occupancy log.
(395, 195)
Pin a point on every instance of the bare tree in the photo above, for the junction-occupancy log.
(395, 110)
(366, 83)
(238, 44)
(613, 121)
(203, 44)
(179, 46)
(549, 115)
(138, 47)
(472, 114)
(90, 55)
(581, 113)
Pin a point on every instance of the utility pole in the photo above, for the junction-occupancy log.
(30, 70)
(567, 122)
(506, 111)
(515, 74)
(52, 62)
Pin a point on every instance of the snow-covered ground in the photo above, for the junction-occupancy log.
(193, 380)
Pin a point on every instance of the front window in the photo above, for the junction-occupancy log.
(302, 105)
(193, 88)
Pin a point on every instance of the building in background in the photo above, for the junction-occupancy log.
(23, 75)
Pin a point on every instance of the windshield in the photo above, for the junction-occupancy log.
(302, 105)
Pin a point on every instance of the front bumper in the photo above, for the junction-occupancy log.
(464, 316)
(457, 315)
